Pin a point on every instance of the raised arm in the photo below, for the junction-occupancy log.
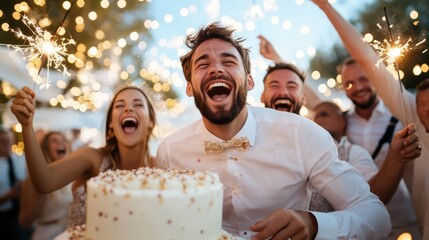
(384, 82)
(405, 147)
(47, 178)
(351, 38)
(23, 106)
(267, 50)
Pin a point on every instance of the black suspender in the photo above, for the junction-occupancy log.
(387, 137)
(13, 180)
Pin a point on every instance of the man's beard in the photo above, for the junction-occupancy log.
(368, 104)
(297, 108)
(222, 116)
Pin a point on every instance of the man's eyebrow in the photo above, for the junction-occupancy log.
(274, 81)
(202, 57)
(291, 82)
(206, 56)
(226, 54)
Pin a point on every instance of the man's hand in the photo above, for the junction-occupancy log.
(267, 50)
(13, 193)
(286, 224)
(405, 144)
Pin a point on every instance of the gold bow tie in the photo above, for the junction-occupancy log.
(214, 148)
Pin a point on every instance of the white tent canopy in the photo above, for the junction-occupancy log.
(59, 119)
(13, 69)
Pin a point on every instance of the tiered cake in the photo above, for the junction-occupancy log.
(154, 204)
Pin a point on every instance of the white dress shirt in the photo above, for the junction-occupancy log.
(404, 107)
(359, 158)
(367, 133)
(288, 155)
(426, 201)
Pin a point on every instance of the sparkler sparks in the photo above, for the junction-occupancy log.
(390, 52)
(422, 41)
(43, 45)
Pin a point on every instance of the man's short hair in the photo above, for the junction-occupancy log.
(288, 66)
(423, 85)
(212, 31)
(346, 62)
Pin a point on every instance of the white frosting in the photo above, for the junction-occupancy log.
(78, 233)
(154, 204)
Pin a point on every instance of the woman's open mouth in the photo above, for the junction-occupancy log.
(129, 124)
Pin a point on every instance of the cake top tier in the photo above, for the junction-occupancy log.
(156, 179)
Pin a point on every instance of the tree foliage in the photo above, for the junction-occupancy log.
(407, 28)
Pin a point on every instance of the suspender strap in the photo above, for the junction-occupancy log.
(12, 180)
(387, 137)
(12, 177)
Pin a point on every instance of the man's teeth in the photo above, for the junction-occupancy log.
(282, 101)
(218, 84)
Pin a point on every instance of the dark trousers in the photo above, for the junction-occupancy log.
(9, 227)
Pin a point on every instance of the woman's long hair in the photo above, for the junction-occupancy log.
(111, 149)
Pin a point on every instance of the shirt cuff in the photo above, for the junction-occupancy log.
(326, 224)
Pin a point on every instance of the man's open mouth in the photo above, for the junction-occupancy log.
(283, 104)
(218, 90)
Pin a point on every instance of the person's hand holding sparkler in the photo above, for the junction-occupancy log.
(405, 144)
(23, 106)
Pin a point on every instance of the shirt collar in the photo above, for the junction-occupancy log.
(248, 130)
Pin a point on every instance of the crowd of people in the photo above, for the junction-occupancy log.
(359, 174)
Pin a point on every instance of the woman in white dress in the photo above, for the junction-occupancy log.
(48, 212)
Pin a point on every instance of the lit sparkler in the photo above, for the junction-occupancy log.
(390, 51)
(45, 46)
(422, 41)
